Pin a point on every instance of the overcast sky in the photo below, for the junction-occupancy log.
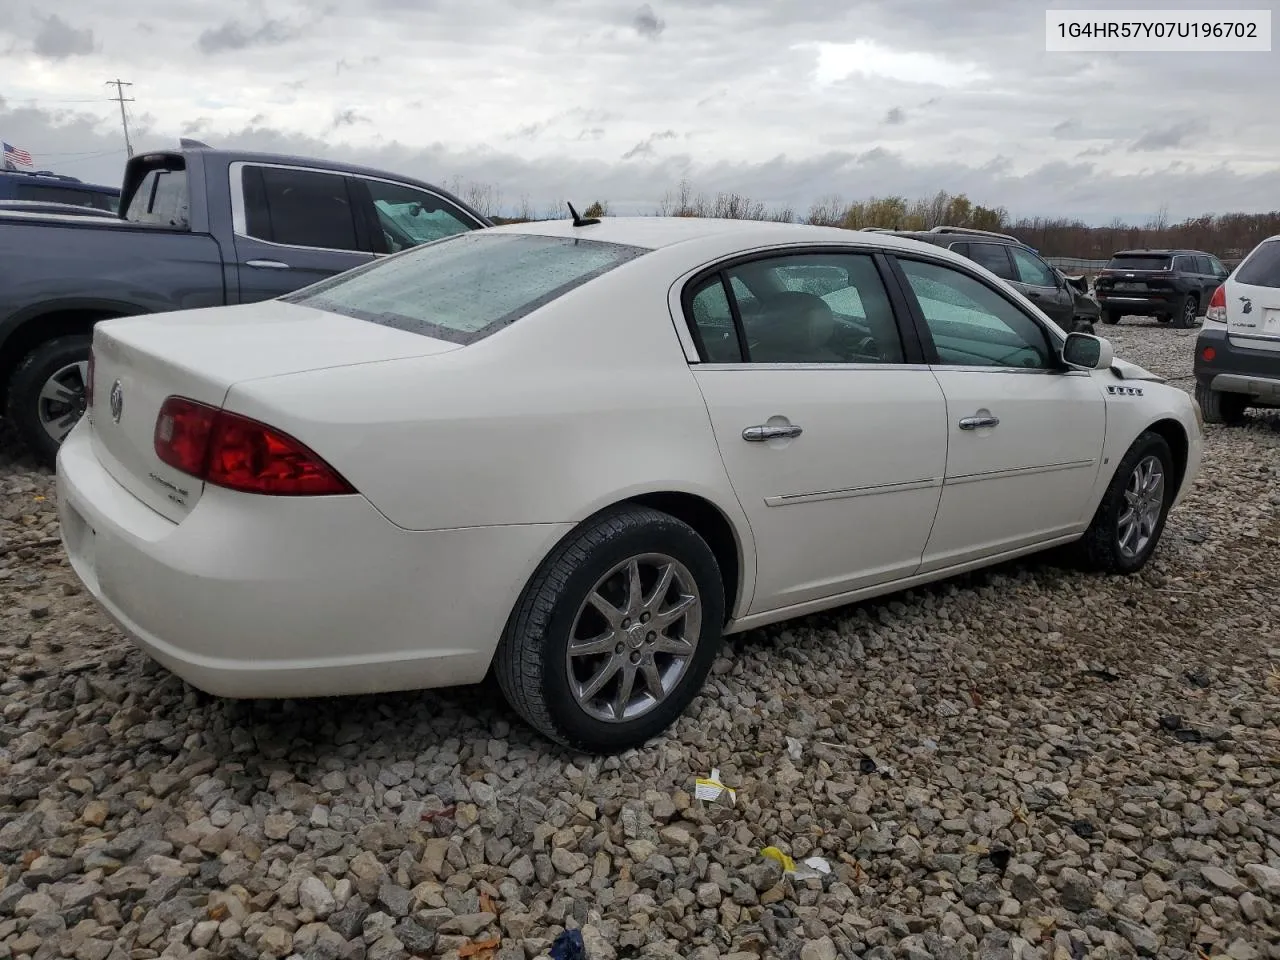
(783, 100)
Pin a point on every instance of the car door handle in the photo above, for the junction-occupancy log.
(973, 423)
(763, 432)
(271, 264)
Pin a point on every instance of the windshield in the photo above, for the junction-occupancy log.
(465, 287)
(1138, 262)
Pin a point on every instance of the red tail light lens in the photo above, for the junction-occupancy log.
(88, 381)
(228, 450)
(1217, 310)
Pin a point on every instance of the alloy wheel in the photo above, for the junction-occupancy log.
(63, 400)
(1143, 504)
(634, 637)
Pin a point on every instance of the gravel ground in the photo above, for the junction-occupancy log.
(982, 764)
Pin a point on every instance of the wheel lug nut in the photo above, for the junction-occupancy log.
(618, 648)
(652, 636)
(644, 618)
(626, 622)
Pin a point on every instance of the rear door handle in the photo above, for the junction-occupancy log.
(763, 432)
(973, 423)
(271, 264)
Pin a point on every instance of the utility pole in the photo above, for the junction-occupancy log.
(122, 100)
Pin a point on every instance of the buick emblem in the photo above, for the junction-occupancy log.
(117, 401)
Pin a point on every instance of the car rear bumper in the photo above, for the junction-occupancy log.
(1235, 368)
(292, 596)
(1141, 304)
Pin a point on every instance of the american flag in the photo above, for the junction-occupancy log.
(16, 156)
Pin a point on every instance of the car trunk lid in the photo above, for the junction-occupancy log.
(200, 355)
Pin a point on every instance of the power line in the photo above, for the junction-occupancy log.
(122, 100)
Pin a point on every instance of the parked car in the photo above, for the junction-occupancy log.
(579, 452)
(45, 186)
(1065, 300)
(198, 228)
(1170, 285)
(1237, 363)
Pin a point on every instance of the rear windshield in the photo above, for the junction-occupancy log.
(465, 287)
(1262, 269)
(1138, 262)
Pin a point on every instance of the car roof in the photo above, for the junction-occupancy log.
(653, 233)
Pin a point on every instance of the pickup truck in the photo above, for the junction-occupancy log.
(197, 227)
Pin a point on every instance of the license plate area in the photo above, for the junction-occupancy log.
(1130, 286)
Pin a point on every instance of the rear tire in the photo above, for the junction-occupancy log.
(46, 394)
(1217, 406)
(1127, 525)
(563, 696)
(1189, 314)
(1110, 317)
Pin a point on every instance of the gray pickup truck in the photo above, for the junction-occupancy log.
(197, 227)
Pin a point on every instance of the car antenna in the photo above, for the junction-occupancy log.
(579, 221)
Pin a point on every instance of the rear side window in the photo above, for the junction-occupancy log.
(993, 256)
(1262, 268)
(1138, 262)
(299, 208)
(468, 286)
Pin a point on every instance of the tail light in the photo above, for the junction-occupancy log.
(88, 381)
(228, 450)
(1217, 311)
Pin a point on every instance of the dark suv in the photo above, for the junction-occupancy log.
(1170, 285)
(45, 187)
(1065, 300)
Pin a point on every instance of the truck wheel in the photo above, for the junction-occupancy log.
(1110, 317)
(1219, 407)
(47, 394)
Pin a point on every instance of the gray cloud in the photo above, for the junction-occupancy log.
(895, 117)
(648, 24)
(348, 118)
(645, 147)
(58, 40)
(237, 35)
(1166, 138)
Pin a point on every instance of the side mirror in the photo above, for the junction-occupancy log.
(1083, 351)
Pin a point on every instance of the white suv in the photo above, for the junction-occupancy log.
(1237, 363)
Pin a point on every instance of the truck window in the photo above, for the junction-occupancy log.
(80, 198)
(161, 198)
(408, 216)
(299, 208)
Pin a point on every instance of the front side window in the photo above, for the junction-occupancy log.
(1262, 267)
(786, 320)
(1204, 266)
(299, 208)
(408, 216)
(971, 324)
(465, 287)
(1031, 269)
(993, 256)
(1218, 268)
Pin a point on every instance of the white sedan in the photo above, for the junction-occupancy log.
(578, 454)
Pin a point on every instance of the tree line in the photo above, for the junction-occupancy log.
(1228, 235)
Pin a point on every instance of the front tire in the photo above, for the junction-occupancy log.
(616, 632)
(46, 394)
(1219, 407)
(1130, 519)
